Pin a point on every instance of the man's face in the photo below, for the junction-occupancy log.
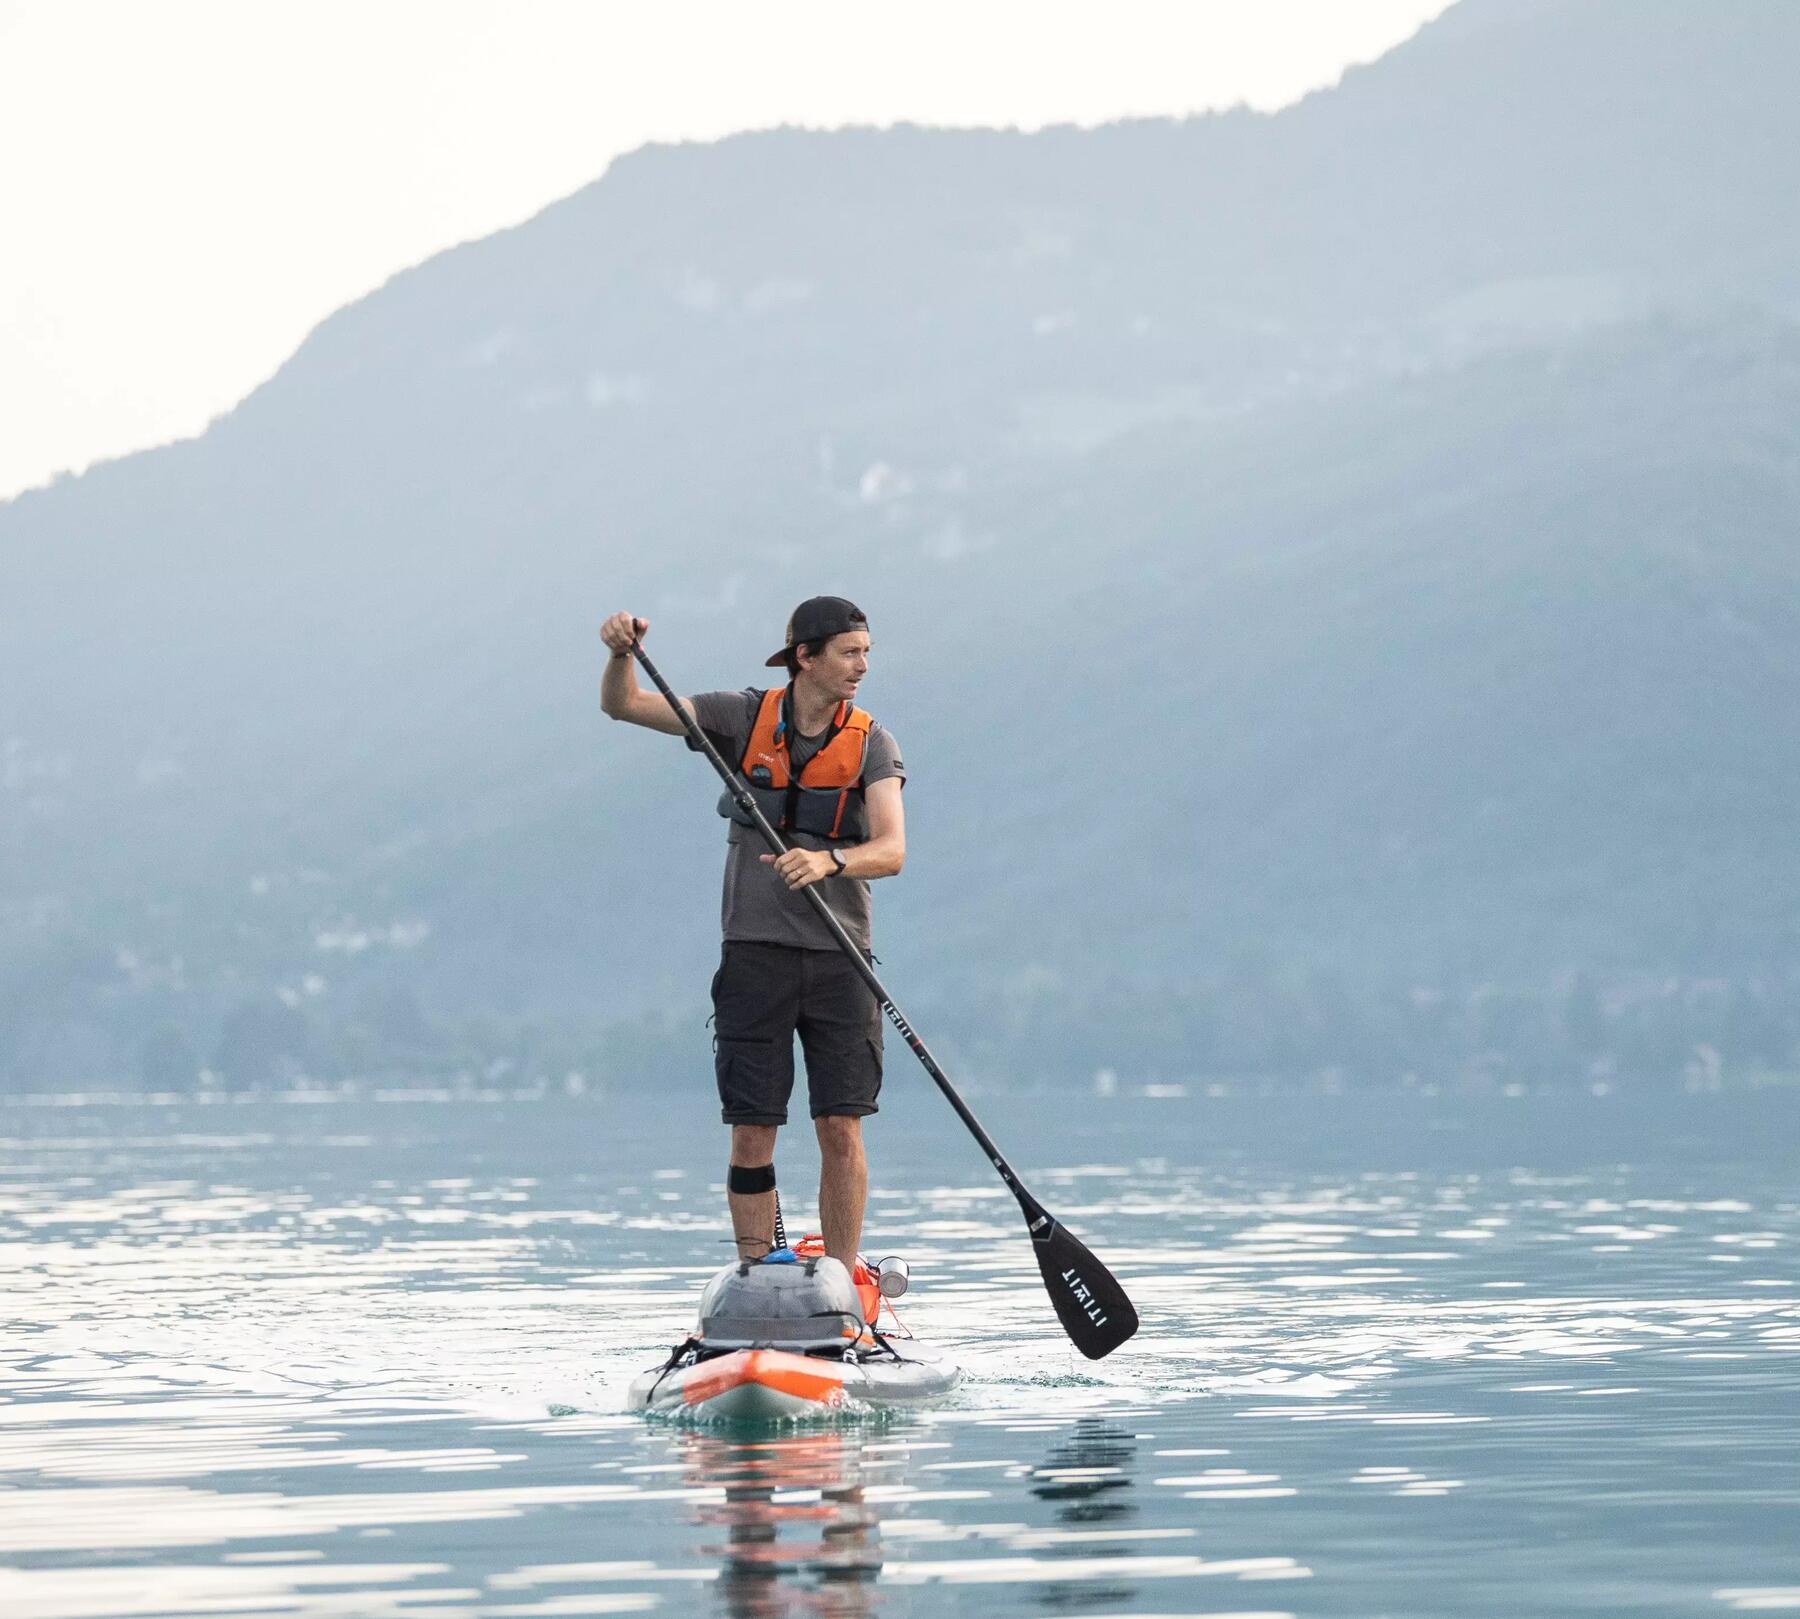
(840, 665)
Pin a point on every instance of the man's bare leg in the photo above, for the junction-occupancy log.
(843, 1186)
(752, 1213)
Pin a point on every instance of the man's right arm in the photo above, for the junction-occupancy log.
(621, 698)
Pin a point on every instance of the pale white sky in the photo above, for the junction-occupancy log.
(188, 186)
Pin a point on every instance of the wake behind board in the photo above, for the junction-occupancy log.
(793, 1338)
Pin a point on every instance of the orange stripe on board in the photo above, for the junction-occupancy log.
(772, 1368)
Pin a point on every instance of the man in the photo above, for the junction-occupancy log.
(828, 777)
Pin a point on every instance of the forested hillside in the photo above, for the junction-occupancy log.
(1332, 575)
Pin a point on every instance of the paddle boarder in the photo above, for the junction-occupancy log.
(829, 777)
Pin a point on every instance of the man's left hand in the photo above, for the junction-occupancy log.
(799, 867)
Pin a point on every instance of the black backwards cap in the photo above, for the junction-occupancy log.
(818, 618)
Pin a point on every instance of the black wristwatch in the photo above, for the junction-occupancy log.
(837, 859)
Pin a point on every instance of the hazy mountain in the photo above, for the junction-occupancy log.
(1353, 543)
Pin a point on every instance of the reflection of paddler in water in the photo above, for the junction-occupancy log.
(786, 1559)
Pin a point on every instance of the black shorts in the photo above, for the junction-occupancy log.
(763, 994)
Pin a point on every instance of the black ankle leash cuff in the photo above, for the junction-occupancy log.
(761, 1178)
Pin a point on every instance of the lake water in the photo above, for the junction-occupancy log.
(364, 1356)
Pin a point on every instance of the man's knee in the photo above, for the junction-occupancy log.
(839, 1137)
(753, 1144)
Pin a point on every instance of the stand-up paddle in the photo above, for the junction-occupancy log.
(1088, 1299)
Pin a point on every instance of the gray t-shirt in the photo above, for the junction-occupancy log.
(758, 905)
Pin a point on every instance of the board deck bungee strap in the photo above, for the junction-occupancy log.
(793, 1375)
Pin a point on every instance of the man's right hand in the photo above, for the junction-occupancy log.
(620, 698)
(621, 631)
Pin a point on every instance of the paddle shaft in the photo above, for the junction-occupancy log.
(746, 803)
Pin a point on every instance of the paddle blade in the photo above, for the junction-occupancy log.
(1088, 1300)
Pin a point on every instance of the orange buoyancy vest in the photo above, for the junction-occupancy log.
(826, 799)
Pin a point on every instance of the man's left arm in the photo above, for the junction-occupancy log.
(881, 854)
(884, 853)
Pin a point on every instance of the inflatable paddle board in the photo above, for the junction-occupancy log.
(794, 1337)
